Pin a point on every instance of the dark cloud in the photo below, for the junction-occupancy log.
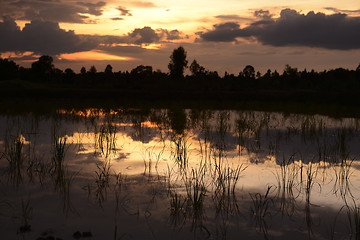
(145, 35)
(41, 38)
(225, 32)
(264, 14)
(56, 11)
(232, 17)
(117, 19)
(337, 10)
(124, 11)
(173, 35)
(93, 8)
(48, 38)
(336, 31)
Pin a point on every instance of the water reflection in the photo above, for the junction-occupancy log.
(179, 173)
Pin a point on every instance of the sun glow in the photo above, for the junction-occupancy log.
(93, 55)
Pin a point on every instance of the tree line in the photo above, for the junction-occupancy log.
(201, 79)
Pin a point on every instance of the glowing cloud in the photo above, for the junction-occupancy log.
(93, 55)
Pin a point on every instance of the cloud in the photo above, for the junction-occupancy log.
(145, 35)
(93, 8)
(225, 32)
(336, 31)
(337, 10)
(117, 19)
(55, 11)
(264, 14)
(232, 17)
(139, 4)
(124, 11)
(41, 38)
(47, 38)
(173, 34)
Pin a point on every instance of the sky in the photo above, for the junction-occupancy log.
(222, 35)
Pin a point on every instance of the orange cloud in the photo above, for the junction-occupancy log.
(93, 55)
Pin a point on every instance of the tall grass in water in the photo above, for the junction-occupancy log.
(309, 182)
(353, 214)
(342, 178)
(102, 180)
(224, 181)
(181, 151)
(59, 150)
(26, 215)
(311, 174)
(226, 178)
(286, 181)
(195, 195)
(150, 156)
(261, 209)
(63, 178)
(196, 189)
(105, 138)
(14, 156)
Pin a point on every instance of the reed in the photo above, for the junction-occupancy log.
(353, 214)
(26, 216)
(196, 190)
(342, 183)
(102, 180)
(13, 154)
(105, 138)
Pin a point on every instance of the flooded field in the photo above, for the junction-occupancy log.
(179, 174)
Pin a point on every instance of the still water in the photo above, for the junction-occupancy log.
(179, 174)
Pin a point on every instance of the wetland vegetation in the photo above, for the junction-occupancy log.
(178, 173)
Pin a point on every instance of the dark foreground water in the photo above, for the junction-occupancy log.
(178, 174)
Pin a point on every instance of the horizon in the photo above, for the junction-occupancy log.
(221, 36)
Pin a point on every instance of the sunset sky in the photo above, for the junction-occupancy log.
(221, 35)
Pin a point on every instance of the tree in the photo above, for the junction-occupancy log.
(69, 75)
(108, 69)
(83, 70)
(92, 69)
(8, 69)
(358, 68)
(196, 69)
(69, 71)
(178, 63)
(249, 71)
(44, 65)
(142, 70)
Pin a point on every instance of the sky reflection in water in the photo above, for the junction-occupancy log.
(143, 174)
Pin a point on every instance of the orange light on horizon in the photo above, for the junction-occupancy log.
(152, 46)
(93, 55)
(17, 54)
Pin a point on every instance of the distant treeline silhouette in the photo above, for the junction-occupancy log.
(200, 79)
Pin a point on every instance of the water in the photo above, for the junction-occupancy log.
(172, 173)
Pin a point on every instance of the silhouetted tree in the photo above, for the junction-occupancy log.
(249, 72)
(108, 69)
(69, 75)
(83, 70)
(142, 70)
(358, 68)
(44, 66)
(69, 71)
(8, 69)
(92, 69)
(196, 69)
(178, 63)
